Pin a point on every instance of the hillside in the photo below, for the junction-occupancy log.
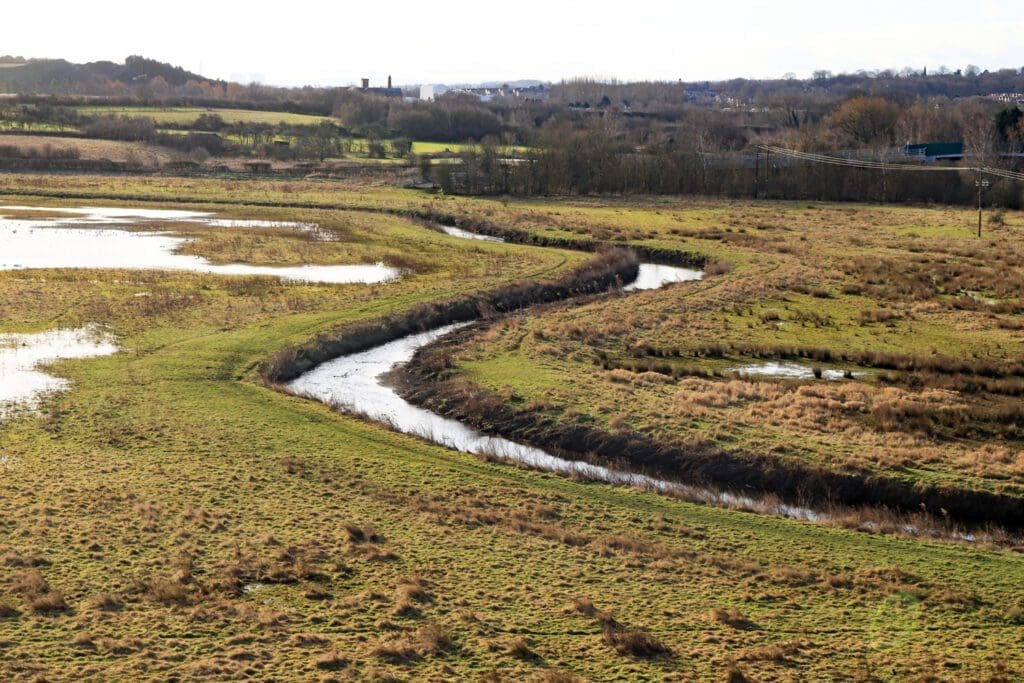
(59, 76)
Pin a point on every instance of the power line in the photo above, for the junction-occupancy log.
(817, 158)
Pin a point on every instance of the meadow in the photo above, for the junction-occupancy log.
(922, 318)
(173, 517)
(188, 115)
(89, 149)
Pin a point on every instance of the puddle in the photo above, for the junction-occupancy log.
(21, 383)
(655, 276)
(93, 237)
(787, 370)
(93, 215)
(467, 235)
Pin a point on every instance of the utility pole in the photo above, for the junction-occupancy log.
(757, 170)
(981, 185)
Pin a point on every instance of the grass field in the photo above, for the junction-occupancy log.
(188, 115)
(421, 147)
(171, 517)
(866, 281)
(113, 150)
(7, 124)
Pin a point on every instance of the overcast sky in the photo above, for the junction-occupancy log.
(451, 41)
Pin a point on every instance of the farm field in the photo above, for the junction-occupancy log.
(89, 149)
(188, 115)
(171, 516)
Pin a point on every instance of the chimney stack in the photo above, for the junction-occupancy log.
(389, 81)
(366, 83)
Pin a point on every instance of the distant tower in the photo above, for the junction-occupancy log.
(366, 83)
(389, 81)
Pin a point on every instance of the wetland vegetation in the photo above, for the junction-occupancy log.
(169, 514)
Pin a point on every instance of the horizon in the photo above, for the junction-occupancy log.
(549, 45)
(943, 69)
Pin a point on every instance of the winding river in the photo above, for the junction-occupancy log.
(356, 384)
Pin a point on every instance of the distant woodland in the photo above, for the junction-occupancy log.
(575, 137)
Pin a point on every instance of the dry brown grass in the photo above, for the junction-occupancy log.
(428, 640)
(635, 642)
(520, 648)
(331, 661)
(113, 150)
(50, 602)
(410, 595)
(732, 617)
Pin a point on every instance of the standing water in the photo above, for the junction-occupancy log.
(22, 384)
(98, 238)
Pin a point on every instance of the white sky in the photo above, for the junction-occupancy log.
(448, 41)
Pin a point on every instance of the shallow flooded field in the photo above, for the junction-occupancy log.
(92, 237)
(789, 370)
(22, 384)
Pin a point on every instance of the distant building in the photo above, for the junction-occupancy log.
(930, 152)
(538, 93)
(385, 92)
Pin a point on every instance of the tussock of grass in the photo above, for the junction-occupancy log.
(635, 643)
(427, 641)
(732, 617)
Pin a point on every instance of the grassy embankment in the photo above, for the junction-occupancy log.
(139, 506)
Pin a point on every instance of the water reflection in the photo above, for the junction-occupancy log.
(91, 237)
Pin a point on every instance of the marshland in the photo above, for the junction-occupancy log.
(545, 381)
(172, 488)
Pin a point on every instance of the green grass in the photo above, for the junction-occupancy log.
(792, 267)
(42, 127)
(421, 147)
(188, 115)
(169, 462)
